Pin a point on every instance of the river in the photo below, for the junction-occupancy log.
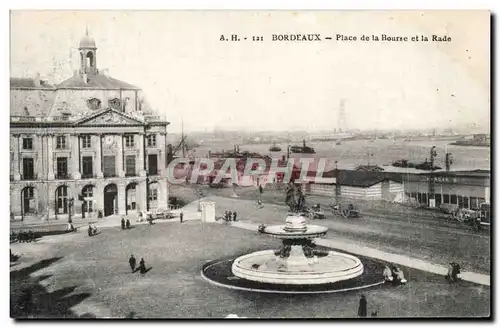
(383, 152)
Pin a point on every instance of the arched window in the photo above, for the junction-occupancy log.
(153, 194)
(88, 191)
(28, 200)
(62, 200)
(88, 203)
(90, 59)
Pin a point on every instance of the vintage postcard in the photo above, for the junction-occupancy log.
(250, 164)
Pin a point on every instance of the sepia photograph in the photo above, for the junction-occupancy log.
(244, 164)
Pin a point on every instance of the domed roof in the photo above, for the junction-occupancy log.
(87, 42)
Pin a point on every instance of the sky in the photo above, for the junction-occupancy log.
(189, 75)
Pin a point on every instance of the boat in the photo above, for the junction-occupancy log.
(274, 148)
(302, 149)
(426, 165)
(339, 142)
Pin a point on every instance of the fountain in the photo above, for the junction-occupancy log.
(298, 266)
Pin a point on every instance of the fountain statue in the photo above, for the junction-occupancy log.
(298, 261)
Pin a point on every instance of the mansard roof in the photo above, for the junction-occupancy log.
(95, 81)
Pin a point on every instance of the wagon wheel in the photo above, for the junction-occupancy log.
(346, 212)
(460, 216)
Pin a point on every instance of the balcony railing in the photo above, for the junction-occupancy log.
(88, 176)
(29, 176)
(62, 176)
(110, 175)
(131, 174)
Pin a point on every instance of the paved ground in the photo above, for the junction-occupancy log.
(76, 275)
(395, 229)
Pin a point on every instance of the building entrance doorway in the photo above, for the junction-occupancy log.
(110, 200)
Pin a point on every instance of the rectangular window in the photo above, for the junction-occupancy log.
(153, 164)
(153, 195)
(109, 166)
(86, 142)
(62, 168)
(28, 169)
(130, 165)
(152, 140)
(446, 198)
(460, 201)
(466, 202)
(129, 141)
(473, 203)
(28, 143)
(61, 142)
(87, 167)
(453, 199)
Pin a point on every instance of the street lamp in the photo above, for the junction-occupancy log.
(70, 209)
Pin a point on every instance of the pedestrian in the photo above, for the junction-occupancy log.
(362, 307)
(142, 266)
(387, 274)
(181, 216)
(90, 230)
(132, 261)
(234, 216)
(128, 224)
(261, 190)
(229, 215)
(123, 223)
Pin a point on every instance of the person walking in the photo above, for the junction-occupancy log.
(181, 216)
(362, 310)
(128, 224)
(132, 262)
(234, 216)
(142, 266)
(123, 223)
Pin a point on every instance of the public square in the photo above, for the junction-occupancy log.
(77, 275)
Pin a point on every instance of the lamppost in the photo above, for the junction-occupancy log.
(70, 209)
(337, 183)
(432, 200)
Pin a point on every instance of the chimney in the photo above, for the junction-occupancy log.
(85, 78)
(36, 80)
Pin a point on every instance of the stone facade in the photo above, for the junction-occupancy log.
(89, 144)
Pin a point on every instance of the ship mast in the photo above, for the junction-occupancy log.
(182, 139)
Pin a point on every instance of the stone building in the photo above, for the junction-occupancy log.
(85, 145)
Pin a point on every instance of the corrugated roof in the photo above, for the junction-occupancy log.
(28, 83)
(95, 81)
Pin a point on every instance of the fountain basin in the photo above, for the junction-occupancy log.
(311, 231)
(266, 267)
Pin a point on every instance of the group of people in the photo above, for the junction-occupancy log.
(125, 224)
(230, 216)
(133, 262)
(394, 275)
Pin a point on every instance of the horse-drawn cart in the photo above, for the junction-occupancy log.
(349, 211)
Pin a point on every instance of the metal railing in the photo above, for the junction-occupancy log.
(62, 176)
(28, 176)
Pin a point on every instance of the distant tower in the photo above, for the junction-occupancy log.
(341, 124)
(88, 58)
